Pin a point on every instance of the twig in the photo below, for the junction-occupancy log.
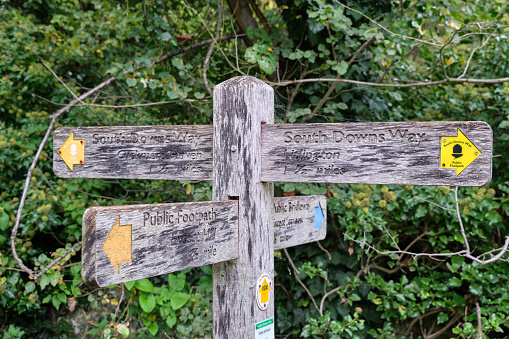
(300, 282)
(415, 255)
(60, 80)
(377, 84)
(462, 228)
(472, 54)
(323, 249)
(386, 29)
(211, 47)
(325, 297)
(437, 205)
(332, 87)
(479, 321)
(123, 106)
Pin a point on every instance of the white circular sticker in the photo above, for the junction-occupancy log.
(263, 287)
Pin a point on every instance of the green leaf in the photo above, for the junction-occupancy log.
(475, 289)
(458, 300)
(54, 277)
(129, 284)
(165, 36)
(199, 95)
(4, 221)
(29, 287)
(123, 330)
(153, 328)
(147, 302)
(179, 299)
(454, 282)
(56, 301)
(131, 82)
(354, 297)
(171, 320)
(341, 68)
(44, 281)
(442, 318)
(177, 282)
(458, 237)
(144, 285)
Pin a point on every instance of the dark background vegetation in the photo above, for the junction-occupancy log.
(359, 293)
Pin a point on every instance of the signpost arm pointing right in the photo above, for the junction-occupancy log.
(241, 105)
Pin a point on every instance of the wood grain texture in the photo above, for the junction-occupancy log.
(294, 220)
(165, 238)
(241, 105)
(139, 152)
(402, 153)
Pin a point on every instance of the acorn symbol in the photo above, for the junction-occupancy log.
(456, 151)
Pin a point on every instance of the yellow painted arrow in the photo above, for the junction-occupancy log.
(118, 245)
(264, 292)
(73, 151)
(457, 152)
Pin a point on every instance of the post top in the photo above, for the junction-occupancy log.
(244, 80)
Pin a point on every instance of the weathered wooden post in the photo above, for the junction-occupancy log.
(241, 106)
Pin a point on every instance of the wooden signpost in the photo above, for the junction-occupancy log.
(141, 152)
(402, 153)
(243, 153)
(133, 242)
(125, 243)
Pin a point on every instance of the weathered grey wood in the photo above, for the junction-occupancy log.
(165, 238)
(139, 152)
(241, 105)
(294, 220)
(372, 153)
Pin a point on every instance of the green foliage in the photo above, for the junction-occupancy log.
(365, 294)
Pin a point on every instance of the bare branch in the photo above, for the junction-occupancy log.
(296, 271)
(386, 29)
(376, 84)
(465, 253)
(479, 321)
(56, 261)
(211, 47)
(472, 54)
(332, 87)
(325, 297)
(60, 80)
(462, 228)
(437, 205)
(323, 249)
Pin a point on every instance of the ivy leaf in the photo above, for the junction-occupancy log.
(179, 299)
(341, 68)
(144, 285)
(147, 302)
(442, 318)
(454, 282)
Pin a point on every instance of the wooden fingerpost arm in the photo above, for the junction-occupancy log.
(241, 106)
